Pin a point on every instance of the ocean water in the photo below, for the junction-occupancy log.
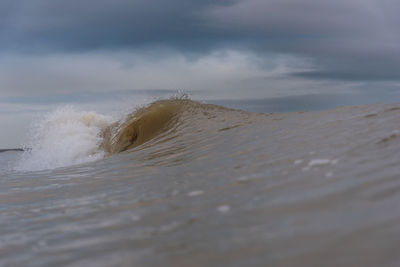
(180, 183)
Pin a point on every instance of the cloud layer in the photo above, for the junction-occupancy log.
(343, 40)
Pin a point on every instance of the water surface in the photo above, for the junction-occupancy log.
(211, 187)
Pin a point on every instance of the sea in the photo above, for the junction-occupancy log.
(178, 182)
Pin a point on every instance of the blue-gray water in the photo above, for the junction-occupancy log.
(218, 187)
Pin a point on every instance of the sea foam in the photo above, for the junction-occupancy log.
(62, 138)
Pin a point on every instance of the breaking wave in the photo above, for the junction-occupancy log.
(68, 136)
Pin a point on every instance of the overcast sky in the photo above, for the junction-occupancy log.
(97, 53)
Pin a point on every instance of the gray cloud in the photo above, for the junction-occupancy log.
(343, 39)
(74, 25)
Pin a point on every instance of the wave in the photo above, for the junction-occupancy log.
(141, 125)
(68, 136)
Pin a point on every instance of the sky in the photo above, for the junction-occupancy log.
(104, 55)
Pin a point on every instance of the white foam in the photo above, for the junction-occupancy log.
(319, 162)
(316, 162)
(195, 193)
(298, 161)
(62, 138)
(329, 174)
(224, 208)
